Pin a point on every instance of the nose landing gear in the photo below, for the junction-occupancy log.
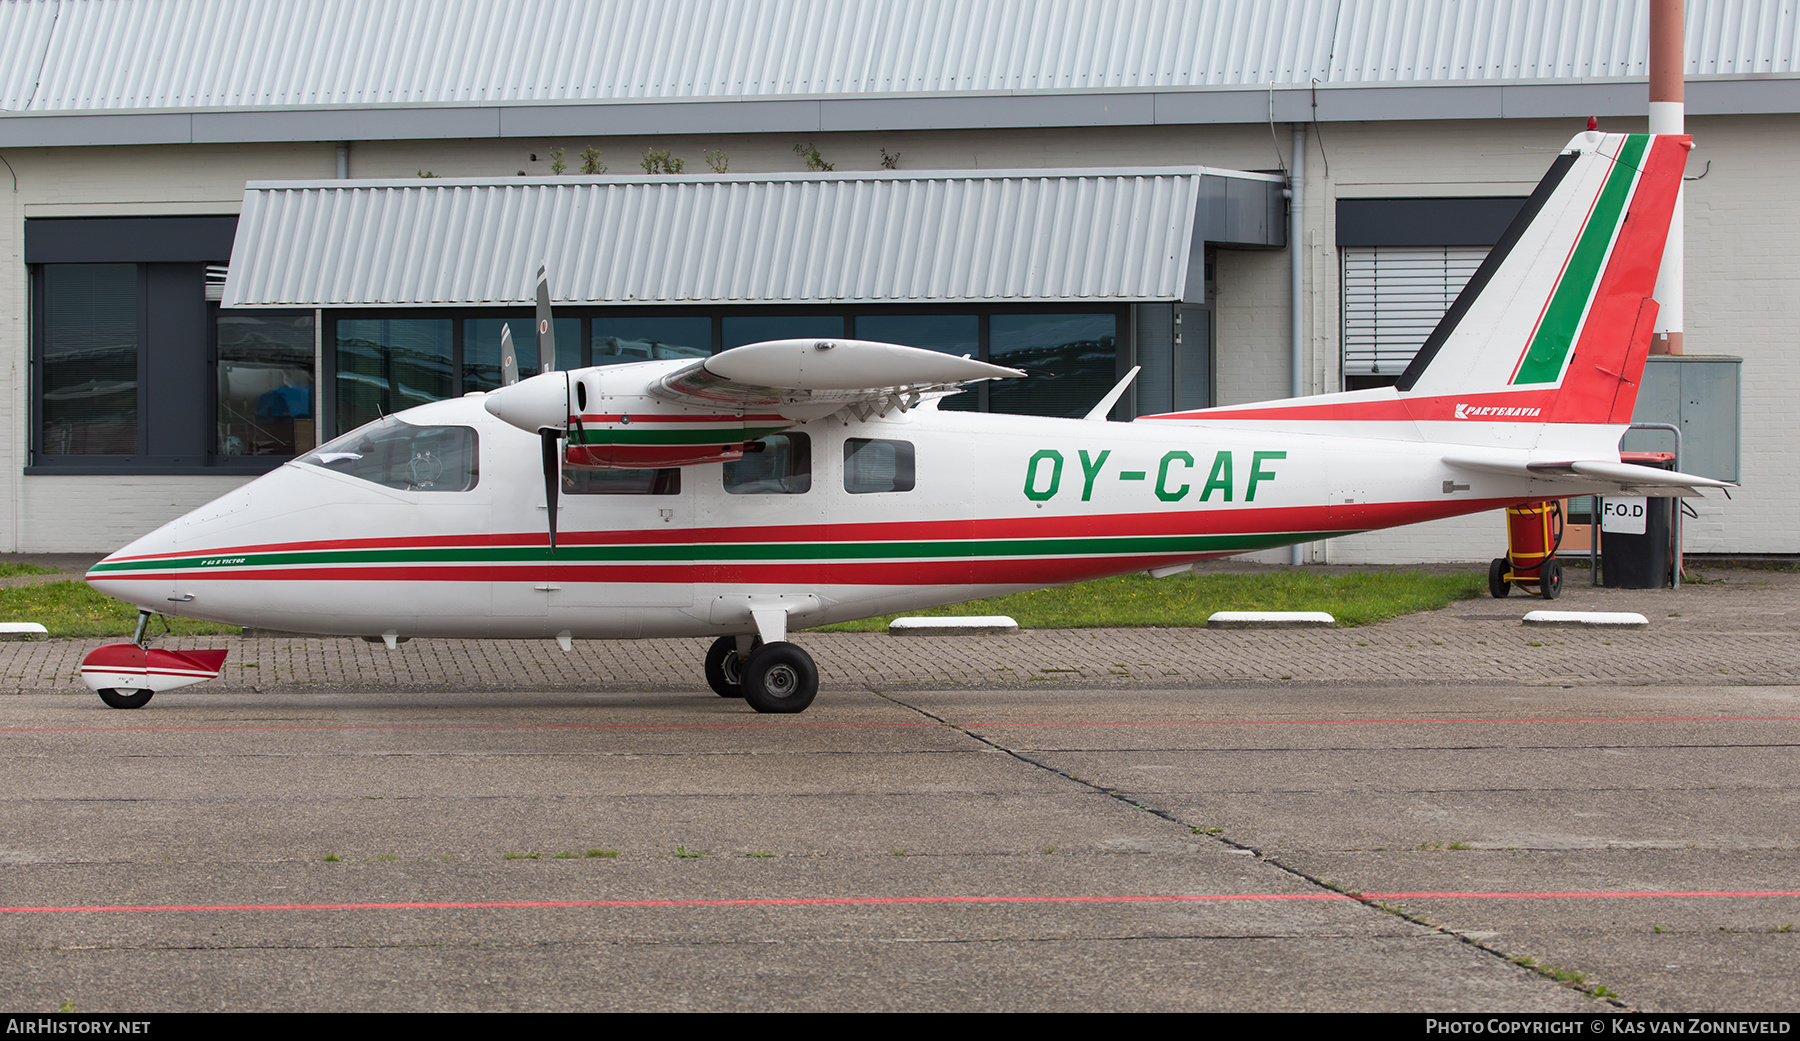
(127, 675)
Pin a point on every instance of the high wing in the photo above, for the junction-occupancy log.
(1606, 476)
(659, 414)
(810, 378)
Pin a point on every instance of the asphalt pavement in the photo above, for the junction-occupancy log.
(1449, 811)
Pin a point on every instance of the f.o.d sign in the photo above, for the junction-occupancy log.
(1623, 516)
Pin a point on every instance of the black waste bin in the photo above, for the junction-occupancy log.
(1631, 561)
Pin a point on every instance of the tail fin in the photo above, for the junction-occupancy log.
(1558, 318)
(1556, 323)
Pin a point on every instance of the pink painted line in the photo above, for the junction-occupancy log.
(1366, 722)
(453, 726)
(902, 724)
(833, 901)
(877, 901)
(1579, 895)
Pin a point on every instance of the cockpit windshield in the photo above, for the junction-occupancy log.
(396, 454)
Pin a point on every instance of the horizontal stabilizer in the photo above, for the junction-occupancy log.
(1604, 475)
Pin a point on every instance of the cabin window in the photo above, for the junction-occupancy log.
(780, 464)
(877, 466)
(622, 482)
(400, 455)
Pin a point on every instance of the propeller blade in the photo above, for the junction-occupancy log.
(546, 329)
(509, 361)
(552, 478)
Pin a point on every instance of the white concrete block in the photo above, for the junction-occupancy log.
(1270, 620)
(973, 625)
(1595, 619)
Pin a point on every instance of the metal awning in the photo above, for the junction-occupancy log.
(928, 237)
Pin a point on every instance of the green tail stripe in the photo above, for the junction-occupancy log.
(708, 553)
(1562, 320)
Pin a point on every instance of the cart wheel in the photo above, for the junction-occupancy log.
(1497, 583)
(121, 697)
(1550, 579)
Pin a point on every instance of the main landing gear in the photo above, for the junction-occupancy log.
(771, 677)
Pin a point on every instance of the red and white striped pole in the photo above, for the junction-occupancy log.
(1668, 63)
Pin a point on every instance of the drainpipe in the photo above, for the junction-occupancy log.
(1296, 285)
(343, 157)
(1668, 116)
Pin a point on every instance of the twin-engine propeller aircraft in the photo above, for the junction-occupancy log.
(802, 482)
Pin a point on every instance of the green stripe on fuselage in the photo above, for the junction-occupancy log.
(787, 552)
(1562, 320)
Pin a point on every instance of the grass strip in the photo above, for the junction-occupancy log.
(11, 570)
(76, 609)
(1187, 600)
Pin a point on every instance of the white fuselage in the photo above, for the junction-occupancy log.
(999, 503)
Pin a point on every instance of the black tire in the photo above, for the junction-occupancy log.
(780, 677)
(724, 672)
(1550, 579)
(1497, 583)
(123, 697)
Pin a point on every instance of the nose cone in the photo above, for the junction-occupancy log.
(533, 404)
(138, 573)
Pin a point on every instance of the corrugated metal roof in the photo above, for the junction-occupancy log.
(946, 236)
(83, 55)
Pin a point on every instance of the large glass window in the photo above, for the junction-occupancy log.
(958, 334)
(1072, 361)
(782, 465)
(481, 349)
(388, 364)
(400, 455)
(90, 377)
(617, 340)
(265, 384)
(743, 329)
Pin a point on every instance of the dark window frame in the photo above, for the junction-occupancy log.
(1121, 310)
(199, 458)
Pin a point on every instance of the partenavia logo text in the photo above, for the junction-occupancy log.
(1468, 411)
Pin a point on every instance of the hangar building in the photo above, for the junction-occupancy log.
(230, 231)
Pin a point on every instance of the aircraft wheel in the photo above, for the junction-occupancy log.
(123, 697)
(1550, 580)
(724, 671)
(1497, 583)
(780, 677)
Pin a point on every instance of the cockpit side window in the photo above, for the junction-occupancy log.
(780, 465)
(400, 455)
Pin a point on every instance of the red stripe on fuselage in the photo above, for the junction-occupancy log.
(1359, 517)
